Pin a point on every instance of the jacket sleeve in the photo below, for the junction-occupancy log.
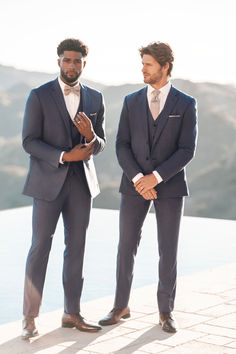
(123, 145)
(99, 129)
(32, 133)
(186, 145)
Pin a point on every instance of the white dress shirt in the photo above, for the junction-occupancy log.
(164, 91)
(72, 102)
(162, 96)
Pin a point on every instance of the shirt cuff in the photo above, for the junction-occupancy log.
(137, 177)
(158, 177)
(60, 160)
(92, 141)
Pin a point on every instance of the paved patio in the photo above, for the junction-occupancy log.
(205, 309)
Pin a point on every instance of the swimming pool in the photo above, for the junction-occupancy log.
(204, 243)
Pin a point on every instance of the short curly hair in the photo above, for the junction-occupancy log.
(161, 52)
(72, 44)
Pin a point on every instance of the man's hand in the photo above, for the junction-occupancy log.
(79, 153)
(84, 126)
(150, 195)
(145, 183)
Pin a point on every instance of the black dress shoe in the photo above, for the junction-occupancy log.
(114, 316)
(29, 329)
(70, 320)
(168, 322)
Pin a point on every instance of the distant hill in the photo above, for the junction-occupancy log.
(211, 175)
(11, 77)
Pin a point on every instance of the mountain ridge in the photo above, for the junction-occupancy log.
(211, 175)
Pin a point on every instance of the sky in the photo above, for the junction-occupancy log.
(201, 34)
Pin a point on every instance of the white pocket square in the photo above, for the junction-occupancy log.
(174, 116)
(93, 114)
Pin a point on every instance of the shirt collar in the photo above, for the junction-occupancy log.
(164, 89)
(62, 84)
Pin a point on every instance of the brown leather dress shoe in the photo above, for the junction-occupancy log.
(70, 320)
(29, 329)
(168, 322)
(114, 316)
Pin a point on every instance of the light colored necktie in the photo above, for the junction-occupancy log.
(73, 89)
(155, 104)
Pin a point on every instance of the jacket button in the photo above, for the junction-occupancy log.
(147, 158)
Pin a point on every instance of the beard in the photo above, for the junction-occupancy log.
(69, 79)
(153, 79)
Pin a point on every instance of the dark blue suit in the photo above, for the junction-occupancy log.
(57, 188)
(168, 152)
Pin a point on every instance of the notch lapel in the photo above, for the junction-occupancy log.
(163, 117)
(89, 167)
(86, 104)
(141, 113)
(60, 103)
(86, 100)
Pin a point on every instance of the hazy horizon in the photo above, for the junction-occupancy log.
(117, 83)
(200, 33)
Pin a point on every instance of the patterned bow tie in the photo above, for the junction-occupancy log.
(73, 89)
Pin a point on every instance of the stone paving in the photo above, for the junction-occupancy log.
(205, 309)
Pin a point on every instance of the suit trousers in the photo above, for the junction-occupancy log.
(132, 215)
(74, 202)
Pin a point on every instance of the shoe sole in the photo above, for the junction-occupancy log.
(110, 324)
(30, 336)
(167, 330)
(71, 325)
(67, 325)
(126, 316)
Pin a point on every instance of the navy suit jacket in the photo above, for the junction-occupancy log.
(46, 133)
(173, 146)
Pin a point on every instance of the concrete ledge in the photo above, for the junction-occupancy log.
(205, 309)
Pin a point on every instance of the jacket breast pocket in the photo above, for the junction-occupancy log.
(173, 126)
(93, 117)
(175, 116)
(174, 121)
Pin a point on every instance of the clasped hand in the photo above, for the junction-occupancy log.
(145, 186)
(84, 126)
(79, 153)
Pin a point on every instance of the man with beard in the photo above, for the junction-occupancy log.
(63, 128)
(155, 141)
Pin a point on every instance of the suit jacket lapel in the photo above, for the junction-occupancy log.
(86, 104)
(60, 103)
(89, 168)
(141, 113)
(163, 117)
(85, 100)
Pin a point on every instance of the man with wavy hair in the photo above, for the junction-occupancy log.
(155, 141)
(63, 128)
